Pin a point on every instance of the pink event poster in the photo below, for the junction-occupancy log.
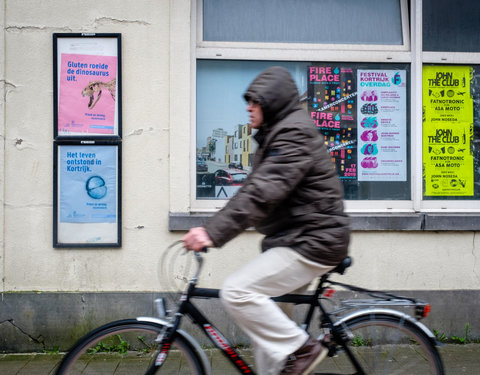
(87, 93)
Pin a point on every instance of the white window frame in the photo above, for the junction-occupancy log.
(449, 58)
(287, 51)
(183, 85)
(441, 58)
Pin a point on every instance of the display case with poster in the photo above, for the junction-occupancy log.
(87, 191)
(87, 85)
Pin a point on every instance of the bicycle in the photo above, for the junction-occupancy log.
(363, 336)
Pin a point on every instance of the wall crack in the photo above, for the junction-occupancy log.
(19, 28)
(140, 131)
(8, 87)
(103, 20)
(475, 257)
(136, 132)
(37, 340)
(8, 84)
(137, 227)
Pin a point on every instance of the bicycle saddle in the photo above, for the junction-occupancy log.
(344, 264)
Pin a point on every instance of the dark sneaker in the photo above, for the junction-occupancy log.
(305, 359)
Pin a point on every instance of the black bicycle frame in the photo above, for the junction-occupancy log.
(213, 333)
(186, 307)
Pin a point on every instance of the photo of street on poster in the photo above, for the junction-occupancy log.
(224, 140)
(87, 87)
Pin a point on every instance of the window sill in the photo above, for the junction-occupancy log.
(365, 222)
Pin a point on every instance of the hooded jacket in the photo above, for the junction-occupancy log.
(292, 195)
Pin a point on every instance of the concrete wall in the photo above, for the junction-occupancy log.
(34, 322)
(157, 59)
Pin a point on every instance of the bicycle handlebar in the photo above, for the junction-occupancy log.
(199, 259)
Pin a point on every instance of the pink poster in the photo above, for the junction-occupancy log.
(87, 92)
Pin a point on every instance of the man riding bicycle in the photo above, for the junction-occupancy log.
(294, 197)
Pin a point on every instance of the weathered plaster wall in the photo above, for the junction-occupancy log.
(31, 262)
(156, 120)
(157, 111)
(3, 86)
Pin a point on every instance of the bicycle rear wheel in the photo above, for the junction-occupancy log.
(386, 344)
(128, 347)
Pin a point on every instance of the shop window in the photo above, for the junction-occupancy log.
(411, 191)
(361, 109)
(370, 151)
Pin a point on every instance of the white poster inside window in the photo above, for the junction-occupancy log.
(382, 125)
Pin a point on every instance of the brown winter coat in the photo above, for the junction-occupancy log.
(293, 194)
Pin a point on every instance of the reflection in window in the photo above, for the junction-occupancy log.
(361, 110)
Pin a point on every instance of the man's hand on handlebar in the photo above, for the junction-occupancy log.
(197, 239)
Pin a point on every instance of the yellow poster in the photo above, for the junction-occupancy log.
(447, 131)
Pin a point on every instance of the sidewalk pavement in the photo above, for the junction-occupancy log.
(457, 359)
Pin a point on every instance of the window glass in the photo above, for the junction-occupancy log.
(303, 21)
(451, 25)
(451, 132)
(362, 110)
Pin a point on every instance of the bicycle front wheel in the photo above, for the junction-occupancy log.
(386, 344)
(128, 347)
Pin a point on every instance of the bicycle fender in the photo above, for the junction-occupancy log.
(186, 336)
(395, 313)
(150, 319)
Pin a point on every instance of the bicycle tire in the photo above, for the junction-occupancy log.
(386, 344)
(128, 347)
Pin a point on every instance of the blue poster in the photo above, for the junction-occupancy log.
(88, 184)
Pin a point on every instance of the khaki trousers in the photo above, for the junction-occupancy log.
(246, 296)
